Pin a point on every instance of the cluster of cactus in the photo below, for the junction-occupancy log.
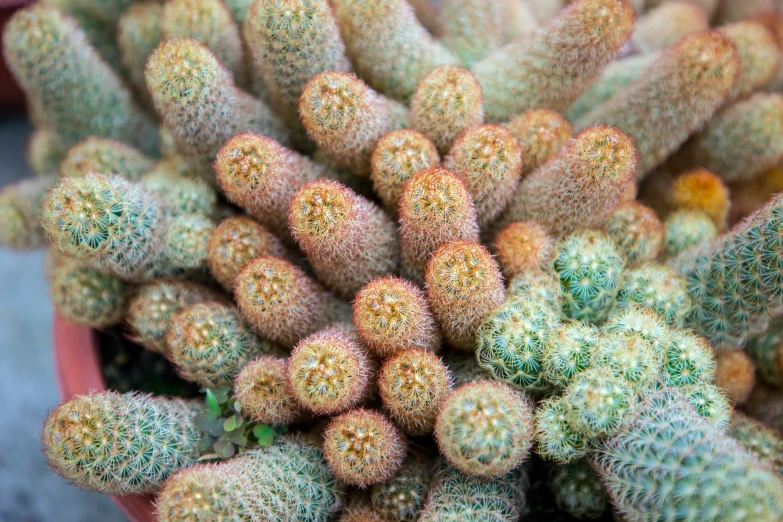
(404, 246)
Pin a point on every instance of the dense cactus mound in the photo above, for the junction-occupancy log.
(120, 444)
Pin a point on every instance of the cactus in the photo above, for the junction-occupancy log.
(541, 133)
(766, 351)
(105, 156)
(598, 164)
(612, 79)
(138, 34)
(628, 356)
(183, 194)
(234, 243)
(387, 45)
(262, 176)
(658, 288)
(447, 102)
(637, 231)
(672, 98)
(709, 402)
(489, 160)
(568, 351)
(199, 102)
(538, 286)
(281, 302)
(360, 510)
(288, 482)
(106, 222)
(329, 371)
(397, 157)
(85, 296)
(413, 384)
(264, 393)
(68, 83)
(45, 151)
(735, 375)
(346, 118)
(590, 270)
(759, 56)
(578, 491)
(511, 341)
(549, 68)
(557, 438)
(186, 242)
(485, 429)
(733, 280)
(391, 315)
(363, 447)
(347, 238)
(701, 190)
(402, 497)
(435, 207)
(152, 305)
(598, 400)
(291, 42)
(463, 285)
(714, 479)
(209, 343)
(642, 322)
(666, 24)
(457, 497)
(523, 246)
(20, 205)
(210, 23)
(744, 139)
(120, 444)
(763, 442)
(687, 228)
(470, 28)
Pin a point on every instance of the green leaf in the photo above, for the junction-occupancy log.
(230, 423)
(264, 434)
(213, 404)
(225, 449)
(221, 394)
(240, 439)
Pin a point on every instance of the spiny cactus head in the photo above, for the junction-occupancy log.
(557, 438)
(391, 315)
(541, 133)
(245, 161)
(105, 156)
(329, 371)
(183, 72)
(209, 343)
(590, 270)
(360, 510)
(599, 401)
(522, 246)
(568, 352)
(537, 285)
(485, 428)
(701, 190)
(709, 402)
(413, 384)
(511, 341)
(85, 296)
(707, 58)
(234, 243)
(628, 356)
(332, 102)
(578, 490)
(759, 55)
(186, 241)
(735, 375)
(363, 447)
(435, 198)
(44, 152)
(688, 360)
(14, 232)
(402, 497)
(687, 228)
(642, 322)
(183, 194)
(761, 440)
(322, 209)
(263, 391)
(447, 101)
(119, 444)
(605, 154)
(399, 155)
(637, 231)
(658, 288)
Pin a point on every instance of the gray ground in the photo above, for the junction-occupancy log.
(29, 491)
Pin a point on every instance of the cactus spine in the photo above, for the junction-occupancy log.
(264, 393)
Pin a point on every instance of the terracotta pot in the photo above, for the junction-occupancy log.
(78, 370)
(11, 96)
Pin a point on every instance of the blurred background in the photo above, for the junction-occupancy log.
(29, 491)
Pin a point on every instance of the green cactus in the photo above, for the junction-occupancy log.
(402, 497)
(539, 286)
(628, 356)
(184, 195)
(549, 68)
(138, 34)
(764, 442)
(105, 156)
(120, 444)
(688, 361)
(568, 352)
(469, 28)
(590, 270)
(713, 478)
(637, 231)
(598, 401)
(643, 322)
(558, 436)
(666, 24)
(287, 482)
(578, 491)
(68, 84)
(45, 151)
(759, 55)
(658, 288)
(20, 205)
(510, 343)
(108, 223)
(83, 295)
(709, 402)
(766, 350)
(186, 242)
(687, 228)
